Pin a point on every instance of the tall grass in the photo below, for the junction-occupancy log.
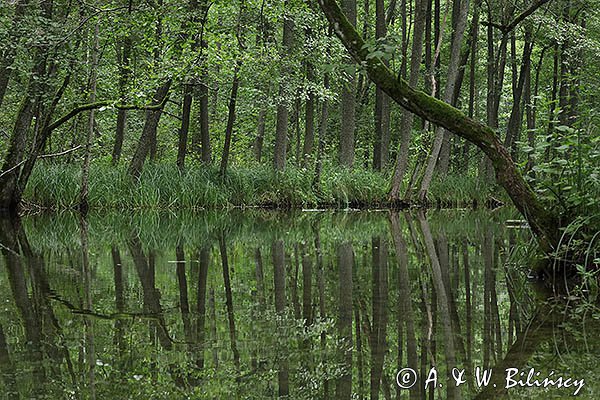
(164, 186)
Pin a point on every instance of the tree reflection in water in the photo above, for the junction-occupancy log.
(256, 305)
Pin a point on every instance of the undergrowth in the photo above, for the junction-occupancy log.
(164, 186)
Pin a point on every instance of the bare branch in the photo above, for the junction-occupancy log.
(518, 19)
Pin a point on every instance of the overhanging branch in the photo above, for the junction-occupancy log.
(99, 104)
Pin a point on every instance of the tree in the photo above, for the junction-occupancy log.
(542, 222)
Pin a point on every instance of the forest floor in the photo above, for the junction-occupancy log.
(56, 186)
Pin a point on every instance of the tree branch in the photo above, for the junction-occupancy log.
(518, 19)
(99, 104)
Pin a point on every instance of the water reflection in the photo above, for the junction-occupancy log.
(255, 305)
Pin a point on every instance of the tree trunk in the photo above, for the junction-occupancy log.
(413, 80)
(230, 119)
(278, 253)
(260, 134)
(378, 332)
(382, 108)
(185, 125)
(348, 102)
(85, 171)
(281, 130)
(514, 123)
(124, 73)
(10, 194)
(149, 132)
(345, 255)
(309, 118)
(451, 80)
(322, 133)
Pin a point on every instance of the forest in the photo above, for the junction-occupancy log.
(297, 198)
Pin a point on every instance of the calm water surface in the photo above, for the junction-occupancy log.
(259, 305)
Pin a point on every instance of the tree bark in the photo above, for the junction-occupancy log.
(124, 73)
(185, 125)
(516, 115)
(322, 133)
(281, 130)
(85, 171)
(230, 119)
(407, 116)
(345, 255)
(309, 118)
(149, 132)
(348, 102)
(382, 108)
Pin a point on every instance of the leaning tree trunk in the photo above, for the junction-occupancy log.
(230, 118)
(542, 221)
(149, 131)
(10, 194)
(453, 69)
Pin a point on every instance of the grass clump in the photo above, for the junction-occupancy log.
(163, 186)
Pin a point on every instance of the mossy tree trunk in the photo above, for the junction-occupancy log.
(542, 222)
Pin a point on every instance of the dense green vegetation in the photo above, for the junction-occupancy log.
(164, 186)
(259, 103)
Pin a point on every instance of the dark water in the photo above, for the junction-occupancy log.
(257, 305)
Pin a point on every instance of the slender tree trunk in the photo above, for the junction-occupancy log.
(407, 116)
(204, 261)
(452, 75)
(185, 125)
(309, 117)
(85, 171)
(278, 253)
(281, 129)
(260, 134)
(453, 392)
(380, 318)
(382, 108)
(230, 119)
(229, 302)
(406, 308)
(124, 73)
(514, 123)
(348, 102)
(322, 133)
(119, 299)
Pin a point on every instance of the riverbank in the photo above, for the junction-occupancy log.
(162, 186)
